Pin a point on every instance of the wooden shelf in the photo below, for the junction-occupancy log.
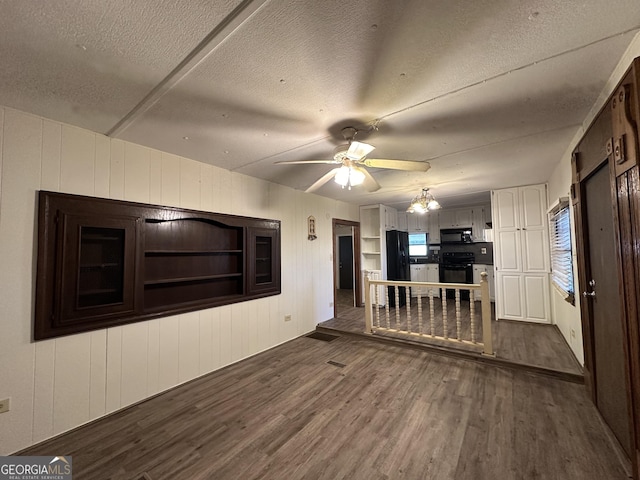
(91, 266)
(98, 291)
(371, 253)
(203, 278)
(189, 252)
(100, 238)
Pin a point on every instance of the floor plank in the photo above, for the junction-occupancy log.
(389, 413)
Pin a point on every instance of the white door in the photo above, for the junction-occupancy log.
(509, 251)
(505, 209)
(535, 250)
(533, 206)
(536, 293)
(510, 304)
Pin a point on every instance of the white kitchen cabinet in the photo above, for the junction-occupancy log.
(521, 253)
(425, 272)
(418, 274)
(390, 217)
(478, 268)
(434, 227)
(478, 223)
(456, 218)
(403, 221)
(418, 222)
(433, 275)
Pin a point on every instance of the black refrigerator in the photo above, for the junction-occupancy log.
(397, 263)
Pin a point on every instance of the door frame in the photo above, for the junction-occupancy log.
(357, 282)
(582, 171)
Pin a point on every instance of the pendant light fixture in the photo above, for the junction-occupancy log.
(423, 203)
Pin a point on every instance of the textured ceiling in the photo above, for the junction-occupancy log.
(490, 92)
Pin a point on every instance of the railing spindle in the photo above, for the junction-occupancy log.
(397, 296)
(386, 306)
(377, 295)
(419, 298)
(458, 314)
(472, 314)
(407, 304)
(432, 313)
(445, 325)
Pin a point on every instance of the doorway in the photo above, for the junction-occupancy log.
(601, 304)
(346, 272)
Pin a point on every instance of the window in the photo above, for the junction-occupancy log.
(417, 244)
(561, 256)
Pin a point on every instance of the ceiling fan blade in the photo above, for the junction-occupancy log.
(302, 162)
(322, 180)
(410, 165)
(358, 150)
(369, 183)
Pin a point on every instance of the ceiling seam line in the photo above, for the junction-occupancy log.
(219, 34)
(493, 144)
(499, 75)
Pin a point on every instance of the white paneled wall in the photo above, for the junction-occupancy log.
(58, 384)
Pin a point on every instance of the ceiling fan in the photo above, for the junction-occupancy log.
(352, 160)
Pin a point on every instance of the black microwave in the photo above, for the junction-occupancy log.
(456, 235)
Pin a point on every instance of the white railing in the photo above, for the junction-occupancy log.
(437, 324)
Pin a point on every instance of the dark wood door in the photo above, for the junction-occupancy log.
(603, 297)
(346, 262)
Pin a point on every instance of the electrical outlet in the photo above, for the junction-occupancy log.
(483, 251)
(5, 404)
(287, 318)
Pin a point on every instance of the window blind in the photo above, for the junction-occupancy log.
(561, 256)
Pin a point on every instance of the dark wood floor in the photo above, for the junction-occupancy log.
(378, 412)
(539, 345)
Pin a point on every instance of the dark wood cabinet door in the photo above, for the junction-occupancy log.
(97, 274)
(263, 260)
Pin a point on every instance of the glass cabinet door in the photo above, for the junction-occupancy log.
(97, 256)
(264, 261)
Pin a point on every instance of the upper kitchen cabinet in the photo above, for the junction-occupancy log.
(403, 221)
(478, 223)
(390, 217)
(418, 222)
(433, 220)
(456, 218)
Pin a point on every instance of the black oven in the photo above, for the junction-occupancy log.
(457, 267)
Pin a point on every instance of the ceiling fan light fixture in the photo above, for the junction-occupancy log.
(359, 150)
(349, 177)
(423, 203)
